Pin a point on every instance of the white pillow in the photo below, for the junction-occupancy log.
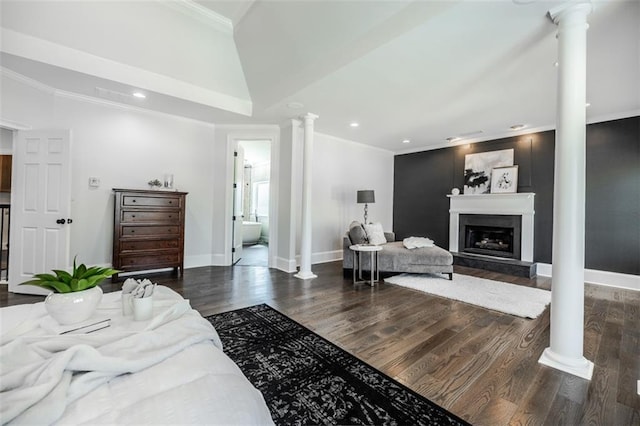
(375, 234)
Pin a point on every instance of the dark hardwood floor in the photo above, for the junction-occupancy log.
(479, 364)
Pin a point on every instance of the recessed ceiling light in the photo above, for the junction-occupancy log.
(452, 138)
(295, 105)
(555, 64)
(354, 124)
(406, 141)
(587, 105)
(517, 127)
(139, 95)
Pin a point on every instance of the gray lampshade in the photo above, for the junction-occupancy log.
(366, 196)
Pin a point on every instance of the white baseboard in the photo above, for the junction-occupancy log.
(326, 256)
(218, 260)
(286, 265)
(197, 261)
(604, 278)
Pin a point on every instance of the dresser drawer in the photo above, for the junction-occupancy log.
(161, 200)
(149, 260)
(135, 216)
(133, 231)
(146, 245)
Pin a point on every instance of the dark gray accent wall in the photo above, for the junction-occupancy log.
(422, 181)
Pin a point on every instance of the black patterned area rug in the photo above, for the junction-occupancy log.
(305, 379)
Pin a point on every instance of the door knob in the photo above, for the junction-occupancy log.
(61, 221)
(69, 220)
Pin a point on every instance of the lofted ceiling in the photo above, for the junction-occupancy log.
(422, 71)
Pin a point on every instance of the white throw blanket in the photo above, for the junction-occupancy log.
(417, 242)
(43, 373)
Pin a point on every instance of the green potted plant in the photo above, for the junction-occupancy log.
(75, 295)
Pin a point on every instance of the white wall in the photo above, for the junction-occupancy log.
(124, 148)
(340, 168)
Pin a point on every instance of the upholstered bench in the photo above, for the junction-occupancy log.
(395, 257)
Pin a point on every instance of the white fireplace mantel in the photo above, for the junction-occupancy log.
(521, 204)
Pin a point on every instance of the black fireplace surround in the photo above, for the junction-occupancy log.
(490, 235)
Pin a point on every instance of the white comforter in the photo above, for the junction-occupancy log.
(180, 374)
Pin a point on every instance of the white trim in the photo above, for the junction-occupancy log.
(509, 133)
(13, 125)
(603, 278)
(250, 128)
(127, 107)
(200, 13)
(85, 98)
(45, 51)
(336, 138)
(219, 260)
(28, 81)
(326, 256)
(196, 261)
(286, 265)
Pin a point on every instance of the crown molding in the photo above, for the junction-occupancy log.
(364, 145)
(527, 131)
(84, 98)
(13, 125)
(126, 107)
(251, 127)
(201, 14)
(6, 72)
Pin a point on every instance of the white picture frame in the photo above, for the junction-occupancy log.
(504, 180)
(478, 166)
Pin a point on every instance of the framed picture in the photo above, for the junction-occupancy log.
(504, 179)
(478, 167)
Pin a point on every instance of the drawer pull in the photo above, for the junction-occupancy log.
(133, 215)
(134, 200)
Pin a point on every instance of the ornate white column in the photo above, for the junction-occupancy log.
(567, 294)
(305, 241)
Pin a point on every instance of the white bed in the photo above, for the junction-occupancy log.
(167, 370)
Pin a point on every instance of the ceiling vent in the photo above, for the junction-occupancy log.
(474, 133)
(112, 95)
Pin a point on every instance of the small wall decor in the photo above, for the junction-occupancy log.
(478, 167)
(504, 179)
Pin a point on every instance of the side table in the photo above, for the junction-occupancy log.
(358, 249)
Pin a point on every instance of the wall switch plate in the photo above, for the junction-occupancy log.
(94, 182)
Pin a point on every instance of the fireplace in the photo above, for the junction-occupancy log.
(491, 235)
(495, 211)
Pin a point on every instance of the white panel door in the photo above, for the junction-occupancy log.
(40, 206)
(238, 215)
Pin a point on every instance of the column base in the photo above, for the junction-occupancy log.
(578, 367)
(305, 275)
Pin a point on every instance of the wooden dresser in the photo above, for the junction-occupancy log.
(148, 230)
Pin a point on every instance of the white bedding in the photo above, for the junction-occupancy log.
(170, 369)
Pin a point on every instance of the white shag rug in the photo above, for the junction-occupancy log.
(527, 302)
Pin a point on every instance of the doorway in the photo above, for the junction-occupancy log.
(255, 202)
(6, 152)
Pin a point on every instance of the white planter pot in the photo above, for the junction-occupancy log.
(71, 308)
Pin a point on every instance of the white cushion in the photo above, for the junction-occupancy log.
(375, 234)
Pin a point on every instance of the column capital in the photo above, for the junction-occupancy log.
(571, 9)
(308, 117)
